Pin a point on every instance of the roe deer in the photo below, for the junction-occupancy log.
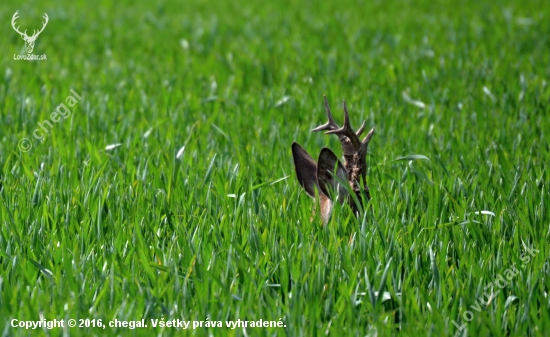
(320, 175)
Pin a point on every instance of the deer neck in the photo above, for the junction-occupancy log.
(356, 167)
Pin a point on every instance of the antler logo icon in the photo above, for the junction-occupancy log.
(29, 40)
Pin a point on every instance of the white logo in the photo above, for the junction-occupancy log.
(29, 40)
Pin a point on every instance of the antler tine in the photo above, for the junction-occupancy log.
(331, 124)
(365, 142)
(361, 129)
(13, 22)
(15, 17)
(346, 130)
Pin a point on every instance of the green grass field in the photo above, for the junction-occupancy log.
(167, 191)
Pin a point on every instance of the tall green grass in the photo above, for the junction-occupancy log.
(135, 232)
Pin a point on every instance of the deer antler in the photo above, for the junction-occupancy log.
(345, 131)
(13, 23)
(46, 18)
(331, 124)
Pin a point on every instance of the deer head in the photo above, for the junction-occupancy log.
(327, 174)
(29, 40)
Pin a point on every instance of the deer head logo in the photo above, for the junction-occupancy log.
(328, 174)
(29, 40)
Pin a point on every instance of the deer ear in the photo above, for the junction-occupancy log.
(328, 164)
(306, 169)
